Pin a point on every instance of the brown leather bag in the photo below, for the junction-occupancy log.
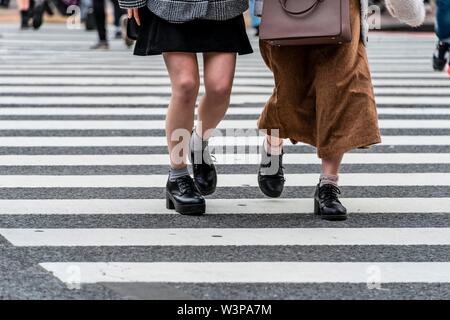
(306, 22)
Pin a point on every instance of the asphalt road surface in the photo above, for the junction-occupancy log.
(83, 166)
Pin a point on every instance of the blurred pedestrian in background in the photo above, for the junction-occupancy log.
(101, 22)
(25, 9)
(4, 3)
(440, 57)
(256, 21)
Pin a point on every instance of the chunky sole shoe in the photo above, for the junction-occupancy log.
(272, 187)
(184, 209)
(329, 217)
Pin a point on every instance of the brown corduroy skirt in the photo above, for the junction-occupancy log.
(323, 94)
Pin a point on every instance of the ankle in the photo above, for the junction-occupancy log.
(272, 149)
(329, 179)
(176, 173)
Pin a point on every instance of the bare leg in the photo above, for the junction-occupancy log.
(185, 80)
(331, 166)
(23, 4)
(219, 75)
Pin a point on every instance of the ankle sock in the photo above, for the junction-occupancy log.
(270, 157)
(178, 173)
(329, 179)
(200, 148)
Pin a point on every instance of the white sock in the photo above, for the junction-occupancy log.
(329, 179)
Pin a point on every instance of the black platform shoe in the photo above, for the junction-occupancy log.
(272, 185)
(205, 174)
(440, 56)
(183, 196)
(327, 204)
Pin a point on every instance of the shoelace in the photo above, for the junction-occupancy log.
(185, 184)
(280, 167)
(329, 193)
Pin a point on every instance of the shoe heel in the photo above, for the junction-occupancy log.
(169, 204)
(316, 208)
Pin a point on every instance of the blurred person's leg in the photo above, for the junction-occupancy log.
(440, 57)
(4, 3)
(38, 13)
(24, 9)
(118, 13)
(100, 20)
(256, 21)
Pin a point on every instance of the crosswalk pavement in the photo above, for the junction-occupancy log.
(83, 166)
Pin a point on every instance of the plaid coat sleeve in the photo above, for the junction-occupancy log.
(127, 4)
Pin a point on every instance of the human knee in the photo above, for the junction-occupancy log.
(186, 89)
(220, 91)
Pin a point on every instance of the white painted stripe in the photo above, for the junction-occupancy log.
(161, 141)
(220, 206)
(155, 65)
(250, 272)
(227, 237)
(70, 111)
(165, 81)
(80, 90)
(160, 124)
(113, 80)
(143, 73)
(226, 180)
(222, 159)
(149, 100)
(149, 73)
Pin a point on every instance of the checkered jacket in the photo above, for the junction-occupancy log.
(178, 11)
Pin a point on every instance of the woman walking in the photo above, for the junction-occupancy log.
(323, 97)
(179, 29)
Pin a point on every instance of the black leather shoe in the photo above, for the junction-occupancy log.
(38, 15)
(205, 174)
(327, 204)
(272, 185)
(440, 56)
(183, 196)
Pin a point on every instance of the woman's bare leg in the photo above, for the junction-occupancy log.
(23, 4)
(219, 70)
(331, 166)
(185, 81)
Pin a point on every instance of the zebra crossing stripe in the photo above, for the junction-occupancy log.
(262, 73)
(155, 111)
(251, 272)
(227, 237)
(159, 90)
(160, 124)
(163, 81)
(221, 159)
(138, 141)
(156, 100)
(226, 180)
(219, 206)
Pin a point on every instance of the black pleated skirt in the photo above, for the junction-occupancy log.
(157, 36)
